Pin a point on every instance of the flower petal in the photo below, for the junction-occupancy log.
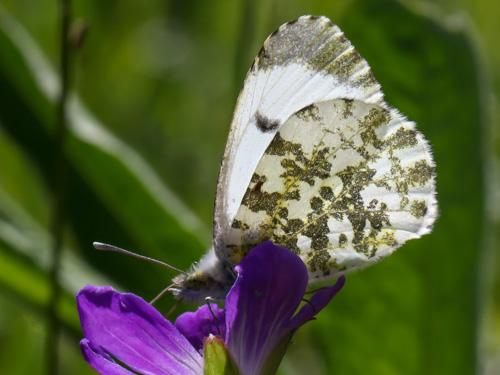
(318, 302)
(200, 324)
(100, 361)
(270, 285)
(135, 333)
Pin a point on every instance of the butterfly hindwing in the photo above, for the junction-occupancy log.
(305, 61)
(343, 183)
(315, 161)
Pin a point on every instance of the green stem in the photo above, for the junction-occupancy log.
(59, 193)
(245, 37)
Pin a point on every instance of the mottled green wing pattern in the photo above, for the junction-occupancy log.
(342, 184)
(305, 61)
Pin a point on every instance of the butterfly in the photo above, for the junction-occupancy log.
(316, 162)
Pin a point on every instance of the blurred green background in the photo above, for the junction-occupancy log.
(153, 89)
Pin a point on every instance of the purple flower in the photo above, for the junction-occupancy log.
(124, 332)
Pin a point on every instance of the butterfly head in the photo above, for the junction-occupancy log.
(196, 281)
(209, 278)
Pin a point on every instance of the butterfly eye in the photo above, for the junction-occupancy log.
(196, 281)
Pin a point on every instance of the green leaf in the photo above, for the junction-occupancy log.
(217, 359)
(416, 312)
(137, 210)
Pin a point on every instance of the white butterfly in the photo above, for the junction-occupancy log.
(315, 161)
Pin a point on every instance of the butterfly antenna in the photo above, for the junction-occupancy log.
(107, 247)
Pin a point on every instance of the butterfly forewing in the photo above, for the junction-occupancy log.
(305, 61)
(343, 183)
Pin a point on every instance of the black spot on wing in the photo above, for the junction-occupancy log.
(264, 124)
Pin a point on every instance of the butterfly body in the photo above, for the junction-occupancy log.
(316, 162)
